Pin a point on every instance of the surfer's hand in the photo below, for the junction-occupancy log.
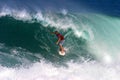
(57, 43)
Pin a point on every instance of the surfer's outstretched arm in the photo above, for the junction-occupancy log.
(52, 32)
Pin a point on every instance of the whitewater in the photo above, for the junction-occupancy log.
(28, 50)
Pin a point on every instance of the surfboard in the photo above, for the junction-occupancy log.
(62, 54)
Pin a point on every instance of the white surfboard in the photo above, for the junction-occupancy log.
(62, 54)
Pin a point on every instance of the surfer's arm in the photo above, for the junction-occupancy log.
(58, 40)
(52, 32)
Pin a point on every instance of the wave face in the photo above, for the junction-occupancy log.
(27, 47)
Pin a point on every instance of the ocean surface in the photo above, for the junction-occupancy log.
(28, 50)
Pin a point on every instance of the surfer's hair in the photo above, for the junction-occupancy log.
(56, 32)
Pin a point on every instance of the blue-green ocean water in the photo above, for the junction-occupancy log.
(28, 48)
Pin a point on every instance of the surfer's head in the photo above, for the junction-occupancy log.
(56, 32)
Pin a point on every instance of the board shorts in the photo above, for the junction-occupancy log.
(61, 42)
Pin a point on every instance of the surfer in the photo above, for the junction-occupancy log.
(60, 40)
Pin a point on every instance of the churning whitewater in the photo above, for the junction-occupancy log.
(28, 50)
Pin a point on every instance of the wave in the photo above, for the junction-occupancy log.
(84, 33)
(28, 50)
(33, 35)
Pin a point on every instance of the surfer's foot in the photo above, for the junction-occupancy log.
(62, 51)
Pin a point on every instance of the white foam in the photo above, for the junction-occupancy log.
(21, 15)
(79, 34)
(17, 14)
(46, 71)
(39, 16)
(102, 53)
(5, 11)
(64, 11)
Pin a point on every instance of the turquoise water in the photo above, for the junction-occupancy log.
(27, 47)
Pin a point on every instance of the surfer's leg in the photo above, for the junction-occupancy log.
(61, 42)
(61, 48)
